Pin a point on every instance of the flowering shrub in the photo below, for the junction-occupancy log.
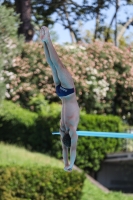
(8, 42)
(102, 73)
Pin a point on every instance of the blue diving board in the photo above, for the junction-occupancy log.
(101, 134)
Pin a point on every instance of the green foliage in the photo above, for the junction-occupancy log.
(90, 191)
(2, 88)
(16, 124)
(29, 129)
(40, 183)
(40, 105)
(92, 150)
(14, 156)
(34, 131)
(10, 46)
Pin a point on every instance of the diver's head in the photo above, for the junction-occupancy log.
(67, 140)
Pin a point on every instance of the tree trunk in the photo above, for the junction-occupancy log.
(23, 7)
(72, 34)
(117, 7)
(113, 18)
(124, 28)
(97, 23)
(72, 37)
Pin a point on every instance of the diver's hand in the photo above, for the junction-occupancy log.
(68, 168)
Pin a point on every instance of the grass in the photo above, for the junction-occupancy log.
(13, 155)
(92, 192)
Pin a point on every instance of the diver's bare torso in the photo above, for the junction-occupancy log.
(70, 112)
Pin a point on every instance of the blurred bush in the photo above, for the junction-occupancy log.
(16, 123)
(10, 45)
(34, 131)
(102, 74)
(92, 150)
(40, 183)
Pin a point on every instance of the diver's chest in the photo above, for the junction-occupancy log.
(71, 114)
(71, 109)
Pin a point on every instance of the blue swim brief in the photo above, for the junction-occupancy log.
(61, 91)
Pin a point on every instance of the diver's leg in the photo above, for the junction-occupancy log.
(54, 71)
(63, 74)
(49, 61)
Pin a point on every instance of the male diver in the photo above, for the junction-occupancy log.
(66, 91)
